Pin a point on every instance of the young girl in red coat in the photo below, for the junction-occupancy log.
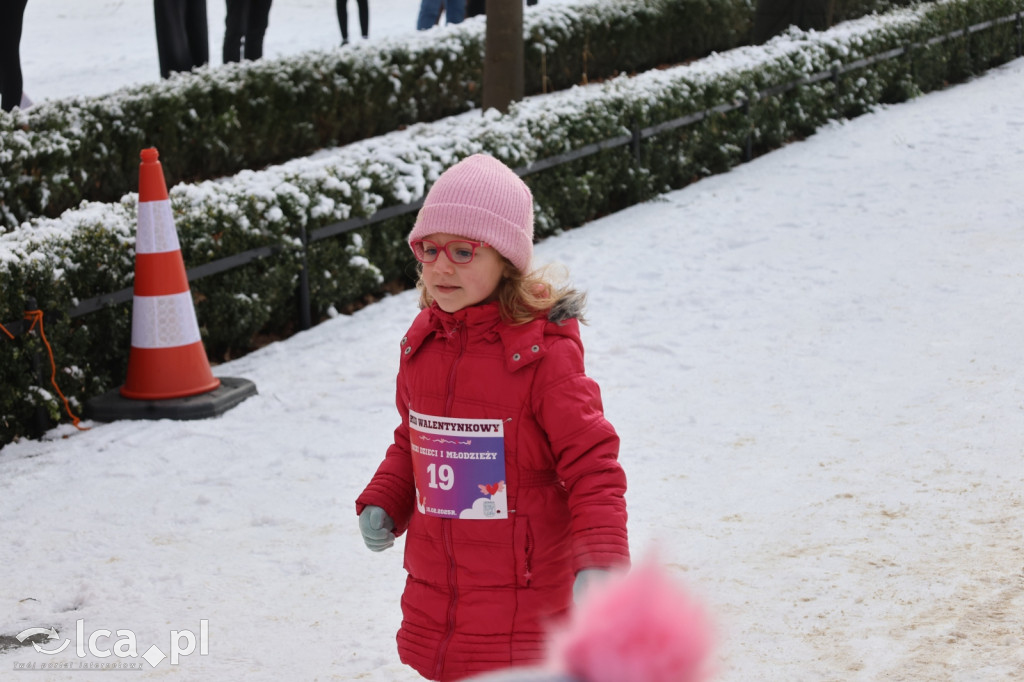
(504, 473)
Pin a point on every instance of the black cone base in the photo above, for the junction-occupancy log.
(112, 406)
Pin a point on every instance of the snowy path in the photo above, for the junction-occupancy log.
(814, 363)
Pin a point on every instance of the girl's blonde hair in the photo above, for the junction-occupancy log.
(523, 297)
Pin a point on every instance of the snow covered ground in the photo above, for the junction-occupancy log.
(814, 365)
(91, 47)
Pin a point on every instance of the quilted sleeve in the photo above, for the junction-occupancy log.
(586, 447)
(393, 487)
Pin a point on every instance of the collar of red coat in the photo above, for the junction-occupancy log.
(523, 343)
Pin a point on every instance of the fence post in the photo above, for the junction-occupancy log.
(908, 56)
(305, 318)
(635, 144)
(640, 183)
(40, 418)
(967, 49)
(1020, 35)
(835, 92)
(748, 146)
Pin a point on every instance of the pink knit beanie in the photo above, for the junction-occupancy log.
(482, 199)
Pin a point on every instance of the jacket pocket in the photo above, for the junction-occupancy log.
(523, 542)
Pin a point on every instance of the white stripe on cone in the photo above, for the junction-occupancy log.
(156, 232)
(164, 321)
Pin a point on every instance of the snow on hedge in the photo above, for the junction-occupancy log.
(362, 177)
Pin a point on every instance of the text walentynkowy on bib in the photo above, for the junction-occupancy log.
(459, 466)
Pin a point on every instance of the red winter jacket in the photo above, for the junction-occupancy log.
(481, 594)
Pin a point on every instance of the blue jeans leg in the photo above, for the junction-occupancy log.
(430, 12)
(455, 11)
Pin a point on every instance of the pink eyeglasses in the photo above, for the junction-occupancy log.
(458, 251)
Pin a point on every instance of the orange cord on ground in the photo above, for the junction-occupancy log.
(37, 316)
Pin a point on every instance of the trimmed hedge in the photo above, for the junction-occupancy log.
(89, 251)
(219, 120)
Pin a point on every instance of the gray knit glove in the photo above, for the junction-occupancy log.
(376, 527)
(586, 580)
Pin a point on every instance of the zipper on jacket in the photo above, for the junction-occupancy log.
(446, 524)
(446, 537)
(463, 337)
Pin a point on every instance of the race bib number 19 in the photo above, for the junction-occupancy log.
(459, 465)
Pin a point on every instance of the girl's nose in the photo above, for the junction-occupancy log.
(443, 264)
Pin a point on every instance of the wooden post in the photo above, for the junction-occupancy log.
(504, 81)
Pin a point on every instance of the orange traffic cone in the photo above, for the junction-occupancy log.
(169, 375)
(167, 357)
